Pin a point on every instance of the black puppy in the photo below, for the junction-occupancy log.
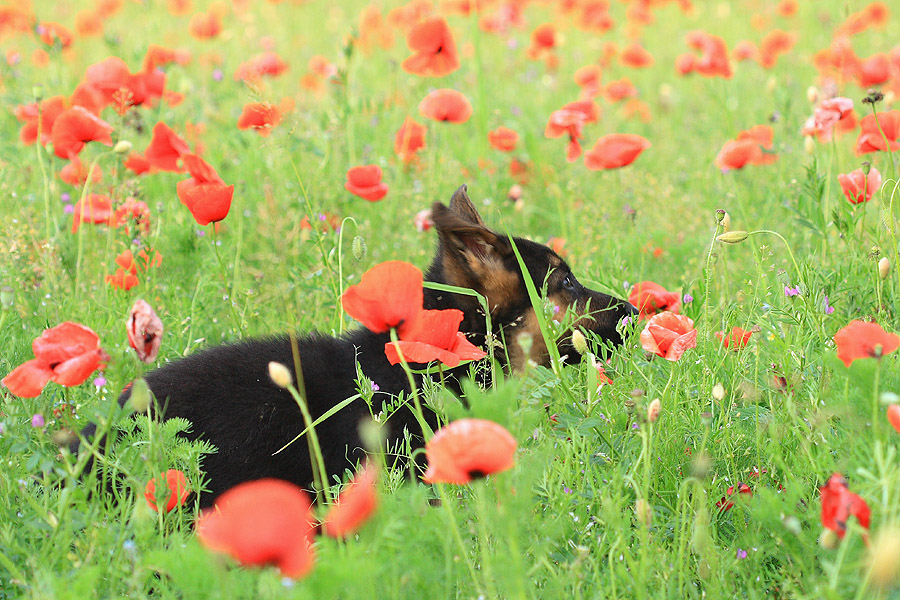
(226, 392)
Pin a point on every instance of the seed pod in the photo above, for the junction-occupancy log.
(280, 375)
(653, 410)
(359, 247)
(122, 147)
(140, 396)
(733, 237)
(884, 267)
(644, 512)
(579, 341)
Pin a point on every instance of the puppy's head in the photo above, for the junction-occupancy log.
(470, 255)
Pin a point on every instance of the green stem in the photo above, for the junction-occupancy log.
(229, 289)
(454, 528)
(320, 475)
(427, 432)
(85, 193)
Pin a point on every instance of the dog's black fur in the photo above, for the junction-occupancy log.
(226, 392)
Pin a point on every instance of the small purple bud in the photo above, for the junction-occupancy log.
(69, 209)
(37, 420)
(65, 197)
(687, 299)
(100, 381)
(375, 387)
(217, 75)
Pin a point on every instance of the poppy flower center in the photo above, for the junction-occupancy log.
(477, 474)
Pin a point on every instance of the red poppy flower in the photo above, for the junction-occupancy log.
(774, 44)
(434, 49)
(588, 79)
(745, 50)
(829, 114)
(669, 335)
(205, 26)
(387, 295)
(738, 339)
(467, 449)
(96, 208)
(435, 336)
(54, 33)
(76, 126)
(133, 210)
(111, 79)
(144, 329)
(204, 194)
(165, 149)
(260, 116)
(859, 187)
(268, 64)
(446, 105)
(787, 8)
(160, 56)
(713, 61)
(138, 164)
(725, 504)
(355, 504)
(864, 340)
(839, 504)
(634, 55)
(619, 90)
(615, 150)
(49, 110)
(267, 521)
(76, 173)
(872, 135)
(66, 354)
(177, 485)
(874, 70)
(736, 154)
(365, 182)
(410, 138)
(503, 139)
(651, 298)
(122, 279)
(893, 416)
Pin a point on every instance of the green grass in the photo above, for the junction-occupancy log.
(562, 523)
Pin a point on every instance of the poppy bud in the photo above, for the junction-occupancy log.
(123, 147)
(884, 557)
(643, 512)
(700, 535)
(629, 406)
(829, 539)
(653, 410)
(812, 94)
(720, 215)
(884, 267)
(280, 375)
(7, 297)
(733, 237)
(38, 92)
(515, 193)
(706, 417)
(809, 144)
(866, 167)
(579, 341)
(359, 247)
(726, 223)
(718, 391)
(701, 465)
(140, 396)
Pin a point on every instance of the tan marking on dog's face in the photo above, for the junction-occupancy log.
(527, 326)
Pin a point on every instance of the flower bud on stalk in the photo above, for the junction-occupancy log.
(280, 375)
(884, 267)
(733, 237)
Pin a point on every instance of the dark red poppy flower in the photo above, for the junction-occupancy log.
(204, 194)
(864, 340)
(355, 504)
(66, 354)
(260, 116)
(166, 149)
(262, 522)
(726, 504)
(668, 335)
(268, 64)
(96, 208)
(76, 126)
(205, 26)
(410, 138)
(176, 484)
(858, 186)
(365, 182)
(388, 295)
(839, 504)
(615, 150)
(874, 133)
(435, 336)
(76, 173)
(467, 449)
(738, 339)
(144, 329)
(503, 139)
(634, 55)
(28, 114)
(651, 298)
(434, 49)
(446, 105)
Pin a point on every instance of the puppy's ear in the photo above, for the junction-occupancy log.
(470, 254)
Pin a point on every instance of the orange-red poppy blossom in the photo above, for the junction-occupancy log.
(446, 105)
(893, 416)
(434, 49)
(668, 335)
(268, 64)
(160, 56)
(54, 33)
(76, 126)
(95, 208)
(166, 148)
(839, 504)
(713, 61)
(389, 295)
(858, 186)
(651, 298)
(467, 449)
(144, 329)
(543, 40)
(76, 172)
(175, 483)
(409, 139)
(570, 121)
(355, 504)
(122, 279)
(737, 340)
(365, 181)
(205, 26)
(262, 522)
(259, 116)
(619, 90)
(205, 194)
(774, 44)
(634, 55)
(830, 114)
(49, 110)
(879, 135)
(860, 339)
(615, 150)
(135, 210)
(435, 336)
(66, 354)
(503, 139)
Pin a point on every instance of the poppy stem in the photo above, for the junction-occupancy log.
(454, 528)
(85, 195)
(340, 278)
(228, 287)
(39, 147)
(320, 475)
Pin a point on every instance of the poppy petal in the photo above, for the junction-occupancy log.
(28, 379)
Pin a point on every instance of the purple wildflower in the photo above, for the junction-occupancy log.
(791, 291)
(687, 299)
(37, 420)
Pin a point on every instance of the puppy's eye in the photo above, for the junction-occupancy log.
(569, 283)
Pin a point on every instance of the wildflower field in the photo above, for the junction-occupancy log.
(177, 174)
